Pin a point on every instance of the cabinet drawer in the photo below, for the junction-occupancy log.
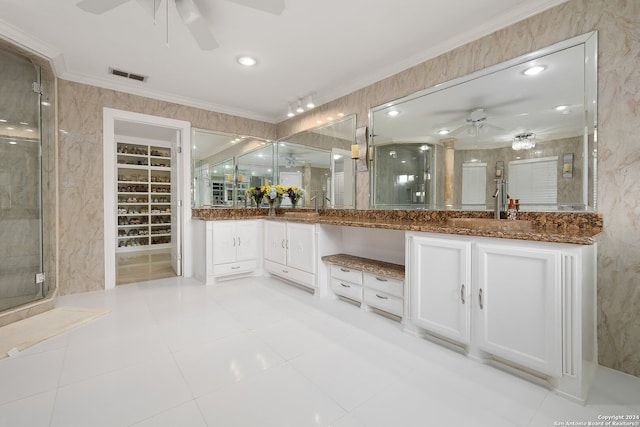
(346, 289)
(351, 275)
(234, 267)
(384, 284)
(301, 277)
(384, 302)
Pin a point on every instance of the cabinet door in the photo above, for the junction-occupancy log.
(224, 242)
(440, 282)
(301, 246)
(247, 240)
(519, 301)
(275, 241)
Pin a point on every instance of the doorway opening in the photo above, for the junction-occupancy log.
(144, 197)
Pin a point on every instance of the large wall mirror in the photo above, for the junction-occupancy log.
(319, 161)
(224, 165)
(526, 125)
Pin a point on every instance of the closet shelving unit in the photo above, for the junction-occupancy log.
(144, 196)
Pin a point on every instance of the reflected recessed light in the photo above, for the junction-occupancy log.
(24, 123)
(393, 113)
(45, 103)
(12, 142)
(29, 130)
(9, 128)
(532, 71)
(247, 61)
(561, 107)
(337, 157)
(443, 131)
(340, 114)
(3, 120)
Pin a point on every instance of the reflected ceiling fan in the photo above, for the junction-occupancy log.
(189, 14)
(476, 120)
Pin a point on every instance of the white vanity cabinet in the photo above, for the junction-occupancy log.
(231, 247)
(524, 304)
(519, 301)
(440, 272)
(290, 251)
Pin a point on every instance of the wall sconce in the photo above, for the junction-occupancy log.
(500, 169)
(362, 145)
(355, 151)
(567, 165)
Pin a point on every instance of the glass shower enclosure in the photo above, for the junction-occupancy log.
(21, 215)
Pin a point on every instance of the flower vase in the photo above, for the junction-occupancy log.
(294, 203)
(272, 209)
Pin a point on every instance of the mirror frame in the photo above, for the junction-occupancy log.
(589, 156)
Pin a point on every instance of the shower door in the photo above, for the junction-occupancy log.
(21, 265)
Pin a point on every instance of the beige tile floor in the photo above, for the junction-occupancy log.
(144, 265)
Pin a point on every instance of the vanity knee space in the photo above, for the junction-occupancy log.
(370, 290)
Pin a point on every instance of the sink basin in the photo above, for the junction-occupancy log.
(487, 224)
(301, 214)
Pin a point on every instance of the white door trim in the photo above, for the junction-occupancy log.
(110, 116)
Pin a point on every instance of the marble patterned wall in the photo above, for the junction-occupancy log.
(618, 24)
(80, 113)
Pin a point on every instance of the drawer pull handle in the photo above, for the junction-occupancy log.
(381, 279)
(344, 286)
(235, 268)
(346, 270)
(283, 245)
(480, 299)
(462, 293)
(285, 271)
(234, 242)
(381, 296)
(238, 240)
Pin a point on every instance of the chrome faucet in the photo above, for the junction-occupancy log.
(314, 199)
(497, 195)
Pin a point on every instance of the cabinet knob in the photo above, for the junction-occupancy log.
(285, 271)
(235, 268)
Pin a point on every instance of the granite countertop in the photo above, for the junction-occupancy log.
(369, 265)
(574, 228)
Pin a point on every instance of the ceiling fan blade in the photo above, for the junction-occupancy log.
(275, 7)
(99, 6)
(196, 24)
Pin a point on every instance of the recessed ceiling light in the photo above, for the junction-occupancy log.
(247, 61)
(561, 107)
(532, 71)
(393, 113)
(443, 131)
(3, 120)
(24, 123)
(12, 142)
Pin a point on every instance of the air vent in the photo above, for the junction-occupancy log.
(127, 75)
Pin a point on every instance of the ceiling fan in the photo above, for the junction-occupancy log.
(188, 11)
